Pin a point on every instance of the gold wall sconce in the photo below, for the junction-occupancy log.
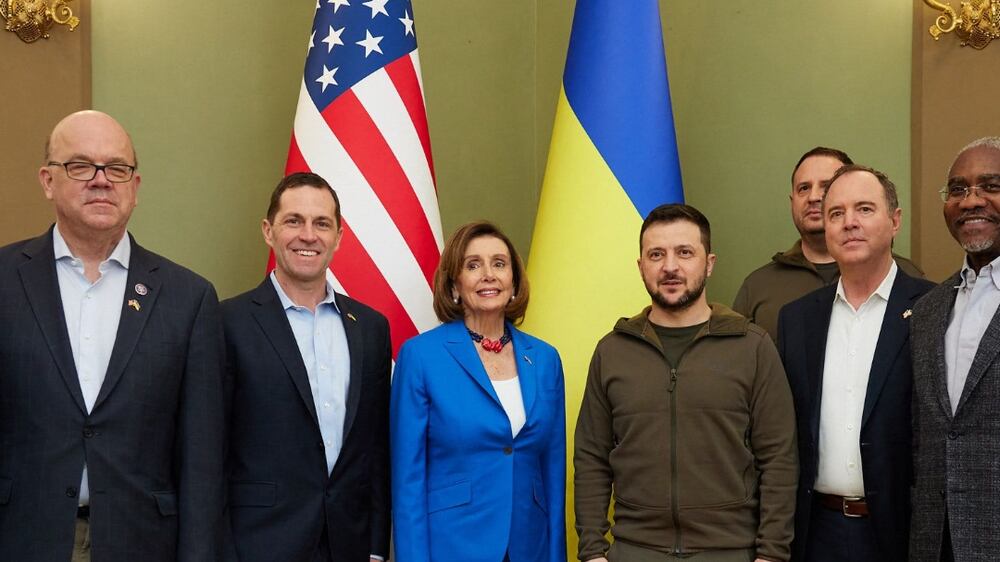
(32, 19)
(976, 25)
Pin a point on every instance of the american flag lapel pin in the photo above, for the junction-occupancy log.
(351, 316)
(907, 313)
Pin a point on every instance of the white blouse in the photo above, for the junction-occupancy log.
(509, 393)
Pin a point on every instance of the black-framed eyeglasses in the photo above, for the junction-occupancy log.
(959, 192)
(86, 171)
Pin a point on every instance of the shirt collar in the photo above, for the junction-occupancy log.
(992, 269)
(287, 302)
(121, 254)
(883, 290)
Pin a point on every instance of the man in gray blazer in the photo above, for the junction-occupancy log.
(111, 392)
(956, 362)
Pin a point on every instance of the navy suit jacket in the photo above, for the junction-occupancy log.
(463, 488)
(281, 496)
(885, 424)
(154, 441)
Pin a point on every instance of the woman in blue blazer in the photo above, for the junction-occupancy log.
(478, 423)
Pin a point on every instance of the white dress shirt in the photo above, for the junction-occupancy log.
(975, 304)
(323, 346)
(509, 393)
(92, 312)
(850, 348)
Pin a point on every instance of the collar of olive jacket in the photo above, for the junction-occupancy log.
(722, 323)
(793, 257)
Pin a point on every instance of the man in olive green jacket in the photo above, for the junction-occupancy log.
(687, 417)
(807, 265)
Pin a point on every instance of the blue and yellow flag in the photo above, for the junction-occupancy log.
(613, 158)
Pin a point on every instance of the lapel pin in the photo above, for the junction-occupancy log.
(141, 290)
(134, 304)
(907, 313)
(351, 316)
(527, 359)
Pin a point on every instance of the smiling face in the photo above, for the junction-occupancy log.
(485, 283)
(808, 184)
(95, 208)
(859, 225)
(674, 264)
(304, 234)
(974, 221)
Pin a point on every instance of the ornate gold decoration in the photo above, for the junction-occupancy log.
(977, 25)
(32, 19)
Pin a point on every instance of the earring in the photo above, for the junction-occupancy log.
(513, 296)
(454, 299)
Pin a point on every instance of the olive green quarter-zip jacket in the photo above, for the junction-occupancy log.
(701, 457)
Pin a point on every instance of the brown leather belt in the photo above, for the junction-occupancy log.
(847, 505)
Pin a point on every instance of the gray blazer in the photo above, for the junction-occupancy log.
(956, 458)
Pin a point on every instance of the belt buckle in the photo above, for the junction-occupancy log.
(843, 505)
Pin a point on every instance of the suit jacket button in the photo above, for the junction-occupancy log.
(508, 451)
(71, 492)
(953, 434)
(88, 432)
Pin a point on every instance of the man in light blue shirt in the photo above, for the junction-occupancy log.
(319, 334)
(112, 399)
(308, 461)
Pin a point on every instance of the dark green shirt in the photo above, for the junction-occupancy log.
(828, 271)
(675, 341)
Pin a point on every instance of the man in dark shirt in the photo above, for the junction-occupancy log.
(807, 265)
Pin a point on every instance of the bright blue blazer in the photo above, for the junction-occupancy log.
(462, 487)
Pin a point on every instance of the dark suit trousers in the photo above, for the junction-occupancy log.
(834, 537)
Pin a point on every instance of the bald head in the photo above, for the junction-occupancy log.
(96, 209)
(86, 127)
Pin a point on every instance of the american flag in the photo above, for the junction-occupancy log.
(360, 124)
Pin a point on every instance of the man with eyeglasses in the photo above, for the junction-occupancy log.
(111, 391)
(956, 385)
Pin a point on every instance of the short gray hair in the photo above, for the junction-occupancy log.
(988, 142)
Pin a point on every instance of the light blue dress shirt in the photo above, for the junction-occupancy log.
(92, 313)
(977, 300)
(323, 345)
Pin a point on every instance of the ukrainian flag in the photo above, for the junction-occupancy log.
(613, 158)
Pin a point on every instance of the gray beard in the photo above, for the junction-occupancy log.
(978, 246)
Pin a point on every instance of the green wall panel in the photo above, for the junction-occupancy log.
(753, 87)
(208, 90)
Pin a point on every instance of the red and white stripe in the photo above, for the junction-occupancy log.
(372, 145)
